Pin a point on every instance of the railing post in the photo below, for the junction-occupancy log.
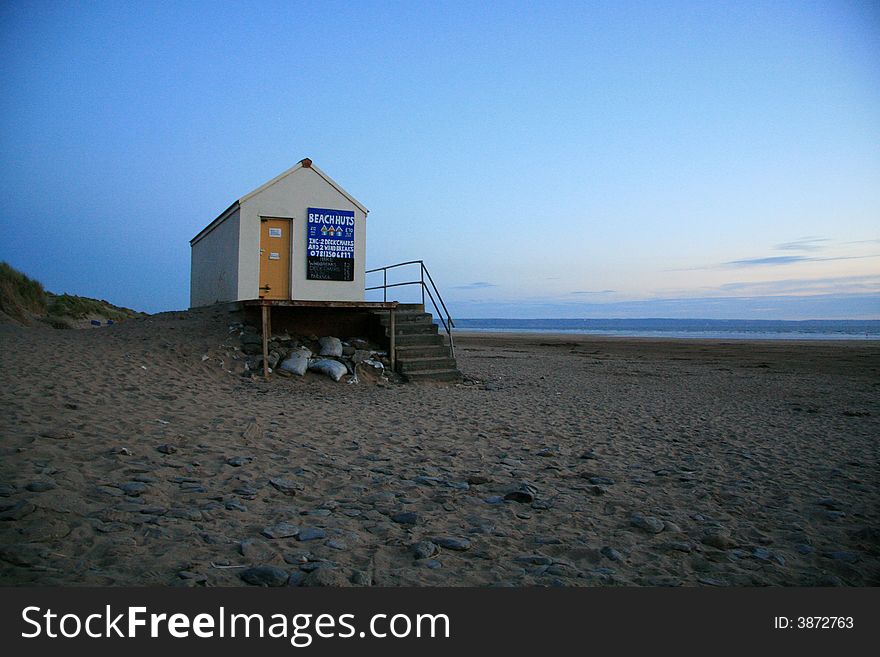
(385, 285)
(422, 272)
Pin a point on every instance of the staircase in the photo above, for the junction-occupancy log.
(422, 353)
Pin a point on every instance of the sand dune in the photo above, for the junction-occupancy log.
(132, 455)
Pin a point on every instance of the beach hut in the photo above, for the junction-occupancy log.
(300, 236)
(293, 252)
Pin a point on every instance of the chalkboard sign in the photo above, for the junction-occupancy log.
(330, 246)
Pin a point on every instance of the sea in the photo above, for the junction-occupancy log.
(716, 329)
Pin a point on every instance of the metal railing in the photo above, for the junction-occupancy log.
(426, 286)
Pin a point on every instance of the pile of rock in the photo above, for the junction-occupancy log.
(296, 355)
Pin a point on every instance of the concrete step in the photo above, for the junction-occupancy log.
(417, 307)
(425, 364)
(433, 375)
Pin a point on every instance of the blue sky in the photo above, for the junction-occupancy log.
(591, 159)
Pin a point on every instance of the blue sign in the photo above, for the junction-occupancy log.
(330, 246)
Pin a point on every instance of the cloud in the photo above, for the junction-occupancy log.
(774, 261)
(476, 285)
(832, 285)
(593, 292)
(803, 244)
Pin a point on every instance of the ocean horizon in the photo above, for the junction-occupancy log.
(727, 329)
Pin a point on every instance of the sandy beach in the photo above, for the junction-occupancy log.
(137, 454)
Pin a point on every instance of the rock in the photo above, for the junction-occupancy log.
(311, 534)
(166, 449)
(133, 488)
(332, 368)
(424, 549)
(601, 481)
(265, 576)
(330, 346)
(285, 486)
(718, 539)
(184, 514)
(254, 550)
(649, 524)
(830, 503)
(198, 578)
(598, 490)
(535, 559)
(325, 577)
(336, 545)
(280, 530)
(611, 553)
(523, 493)
(452, 543)
(842, 555)
(433, 564)
(406, 518)
(238, 461)
(478, 480)
(7, 489)
(589, 455)
(235, 505)
(361, 578)
(40, 486)
(17, 510)
(678, 546)
(296, 578)
(58, 434)
(494, 499)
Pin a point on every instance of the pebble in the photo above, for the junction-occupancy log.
(842, 555)
(319, 513)
(238, 461)
(265, 576)
(40, 486)
(184, 514)
(524, 493)
(494, 499)
(361, 578)
(601, 481)
(547, 540)
(325, 577)
(452, 543)
(17, 511)
(611, 553)
(433, 564)
(254, 549)
(534, 559)
(285, 486)
(296, 578)
(196, 577)
(235, 505)
(167, 449)
(336, 545)
(803, 548)
(719, 540)
(424, 549)
(477, 480)
(133, 488)
(649, 524)
(311, 534)
(280, 530)
(406, 518)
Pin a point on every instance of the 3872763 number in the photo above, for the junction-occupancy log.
(824, 622)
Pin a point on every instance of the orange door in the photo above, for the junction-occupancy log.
(275, 259)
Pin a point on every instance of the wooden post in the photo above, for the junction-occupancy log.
(391, 350)
(265, 317)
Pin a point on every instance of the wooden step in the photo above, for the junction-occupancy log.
(425, 364)
(433, 375)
